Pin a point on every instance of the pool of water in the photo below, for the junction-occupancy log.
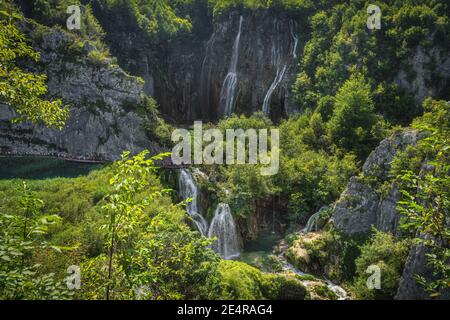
(264, 243)
(42, 168)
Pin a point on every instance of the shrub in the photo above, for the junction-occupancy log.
(389, 255)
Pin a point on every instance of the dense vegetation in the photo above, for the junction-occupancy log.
(421, 172)
(121, 224)
(21, 89)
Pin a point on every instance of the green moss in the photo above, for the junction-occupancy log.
(324, 292)
(241, 281)
(262, 261)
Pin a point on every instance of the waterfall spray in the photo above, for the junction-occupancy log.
(312, 222)
(224, 228)
(277, 58)
(188, 189)
(222, 225)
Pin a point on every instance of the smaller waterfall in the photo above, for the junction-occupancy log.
(223, 227)
(205, 80)
(188, 189)
(312, 222)
(273, 86)
(228, 91)
(294, 50)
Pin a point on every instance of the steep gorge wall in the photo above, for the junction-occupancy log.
(268, 47)
(101, 124)
(186, 74)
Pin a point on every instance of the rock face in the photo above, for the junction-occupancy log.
(427, 81)
(361, 206)
(416, 264)
(266, 61)
(188, 80)
(100, 124)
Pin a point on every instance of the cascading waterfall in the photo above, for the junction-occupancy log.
(280, 67)
(273, 86)
(224, 228)
(228, 92)
(205, 82)
(222, 225)
(188, 189)
(293, 27)
(312, 222)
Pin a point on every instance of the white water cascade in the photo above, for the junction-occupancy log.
(273, 86)
(224, 228)
(222, 225)
(228, 91)
(312, 222)
(205, 82)
(293, 27)
(277, 61)
(188, 189)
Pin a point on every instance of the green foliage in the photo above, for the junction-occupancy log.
(426, 194)
(98, 58)
(311, 174)
(123, 210)
(156, 255)
(156, 18)
(222, 6)
(21, 235)
(240, 281)
(156, 128)
(341, 44)
(149, 254)
(261, 260)
(20, 89)
(353, 118)
(324, 292)
(53, 13)
(389, 255)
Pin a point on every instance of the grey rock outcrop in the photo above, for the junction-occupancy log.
(355, 211)
(101, 124)
(417, 264)
(361, 206)
(431, 69)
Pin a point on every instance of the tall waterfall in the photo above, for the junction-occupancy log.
(205, 81)
(278, 78)
(188, 189)
(224, 228)
(293, 26)
(228, 91)
(277, 61)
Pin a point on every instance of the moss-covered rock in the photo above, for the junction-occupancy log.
(326, 253)
(241, 281)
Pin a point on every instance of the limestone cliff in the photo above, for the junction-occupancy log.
(363, 206)
(104, 99)
(186, 76)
